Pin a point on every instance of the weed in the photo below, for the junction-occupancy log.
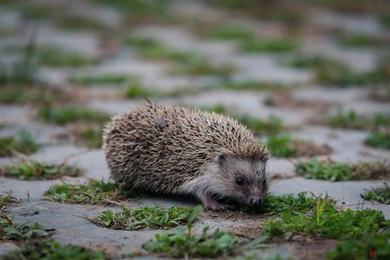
(275, 205)
(360, 40)
(25, 231)
(380, 194)
(230, 32)
(56, 57)
(69, 114)
(325, 221)
(267, 45)
(94, 192)
(352, 120)
(50, 249)
(332, 171)
(371, 247)
(32, 170)
(103, 79)
(23, 142)
(146, 217)
(379, 140)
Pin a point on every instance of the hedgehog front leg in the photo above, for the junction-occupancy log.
(210, 203)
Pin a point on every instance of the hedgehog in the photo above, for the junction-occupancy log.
(175, 150)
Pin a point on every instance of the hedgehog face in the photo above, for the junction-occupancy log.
(244, 180)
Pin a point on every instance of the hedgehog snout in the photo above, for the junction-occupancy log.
(255, 200)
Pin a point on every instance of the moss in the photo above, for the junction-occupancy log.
(57, 57)
(380, 194)
(267, 45)
(68, 114)
(145, 218)
(32, 170)
(94, 192)
(23, 142)
(50, 249)
(332, 171)
(379, 140)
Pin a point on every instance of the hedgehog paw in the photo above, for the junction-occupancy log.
(211, 204)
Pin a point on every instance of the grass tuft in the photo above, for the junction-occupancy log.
(333, 171)
(69, 114)
(144, 218)
(50, 249)
(352, 120)
(319, 218)
(371, 247)
(361, 40)
(5, 200)
(23, 142)
(230, 32)
(94, 192)
(25, 231)
(56, 57)
(32, 170)
(379, 140)
(103, 79)
(380, 194)
(182, 243)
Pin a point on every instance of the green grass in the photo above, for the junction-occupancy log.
(251, 85)
(333, 171)
(23, 142)
(5, 200)
(379, 140)
(361, 40)
(50, 249)
(324, 220)
(69, 114)
(32, 170)
(76, 22)
(57, 57)
(145, 218)
(103, 79)
(182, 243)
(380, 194)
(352, 120)
(94, 192)
(140, 42)
(92, 137)
(275, 205)
(385, 20)
(21, 94)
(281, 146)
(230, 32)
(202, 67)
(371, 247)
(271, 125)
(267, 45)
(19, 232)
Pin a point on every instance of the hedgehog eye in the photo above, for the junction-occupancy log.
(240, 180)
(264, 182)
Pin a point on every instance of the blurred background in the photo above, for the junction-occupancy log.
(310, 78)
(276, 66)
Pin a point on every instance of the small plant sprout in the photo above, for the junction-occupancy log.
(19, 232)
(94, 192)
(334, 171)
(144, 218)
(23, 143)
(380, 194)
(379, 140)
(32, 170)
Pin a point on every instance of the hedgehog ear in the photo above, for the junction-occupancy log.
(221, 159)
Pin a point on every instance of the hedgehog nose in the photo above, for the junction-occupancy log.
(255, 201)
